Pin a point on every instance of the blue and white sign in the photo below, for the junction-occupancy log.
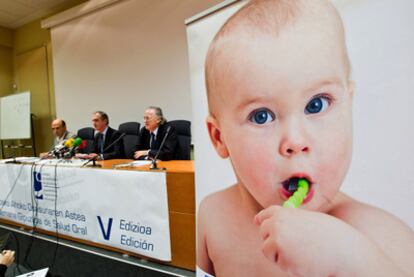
(119, 208)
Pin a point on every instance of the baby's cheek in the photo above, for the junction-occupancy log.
(256, 177)
(334, 164)
(259, 181)
(267, 183)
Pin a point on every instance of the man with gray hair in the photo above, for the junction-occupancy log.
(152, 134)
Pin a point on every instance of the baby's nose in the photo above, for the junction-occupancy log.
(292, 148)
(294, 143)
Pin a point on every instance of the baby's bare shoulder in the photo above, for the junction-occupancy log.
(221, 214)
(387, 231)
(218, 201)
(365, 217)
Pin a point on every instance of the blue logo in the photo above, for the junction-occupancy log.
(105, 233)
(37, 185)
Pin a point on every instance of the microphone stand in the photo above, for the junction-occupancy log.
(153, 165)
(93, 160)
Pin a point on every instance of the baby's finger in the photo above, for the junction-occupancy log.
(266, 213)
(266, 228)
(270, 250)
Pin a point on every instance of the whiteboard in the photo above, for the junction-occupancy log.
(15, 116)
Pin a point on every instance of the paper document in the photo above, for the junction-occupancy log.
(132, 164)
(21, 160)
(140, 162)
(36, 273)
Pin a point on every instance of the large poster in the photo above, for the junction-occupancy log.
(290, 100)
(124, 209)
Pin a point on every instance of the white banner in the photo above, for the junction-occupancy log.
(123, 209)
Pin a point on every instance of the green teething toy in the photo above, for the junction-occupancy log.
(298, 196)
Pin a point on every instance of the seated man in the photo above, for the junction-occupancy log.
(60, 134)
(105, 136)
(152, 134)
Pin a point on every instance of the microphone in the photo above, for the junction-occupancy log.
(105, 149)
(154, 160)
(71, 151)
(59, 150)
(83, 144)
(69, 143)
(114, 142)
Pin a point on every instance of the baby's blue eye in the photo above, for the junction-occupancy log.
(261, 116)
(317, 105)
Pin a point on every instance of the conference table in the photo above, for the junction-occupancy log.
(181, 210)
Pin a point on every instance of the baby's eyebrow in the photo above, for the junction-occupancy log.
(250, 100)
(333, 81)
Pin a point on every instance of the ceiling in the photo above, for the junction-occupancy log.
(15, 13)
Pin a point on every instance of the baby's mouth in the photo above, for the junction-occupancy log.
(290, 185)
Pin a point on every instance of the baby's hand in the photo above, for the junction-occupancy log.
(307, 243)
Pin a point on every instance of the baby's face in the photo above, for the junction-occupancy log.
(283, 109)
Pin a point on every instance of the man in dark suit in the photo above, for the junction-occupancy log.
(105, 136)
(152, 135)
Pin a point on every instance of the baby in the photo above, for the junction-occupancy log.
(280, 104)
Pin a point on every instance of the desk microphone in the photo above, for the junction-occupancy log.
(154, 160)
(106, 148)
(71, 151)
(94, 164)
(114, 142)
(59, 150)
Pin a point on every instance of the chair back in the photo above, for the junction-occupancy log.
(131, 138)
(87, 134)
(183, 129)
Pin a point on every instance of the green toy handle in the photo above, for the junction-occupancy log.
(297, 198)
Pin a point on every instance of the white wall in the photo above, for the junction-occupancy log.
(123, 58)
(380, 41)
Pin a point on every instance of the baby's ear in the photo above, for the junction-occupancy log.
(216, 137)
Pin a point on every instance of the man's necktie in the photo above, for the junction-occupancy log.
(100, 143)
(152, 141)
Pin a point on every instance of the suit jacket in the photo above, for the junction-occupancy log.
(115, 151)
(3, 269)
(170, 144)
